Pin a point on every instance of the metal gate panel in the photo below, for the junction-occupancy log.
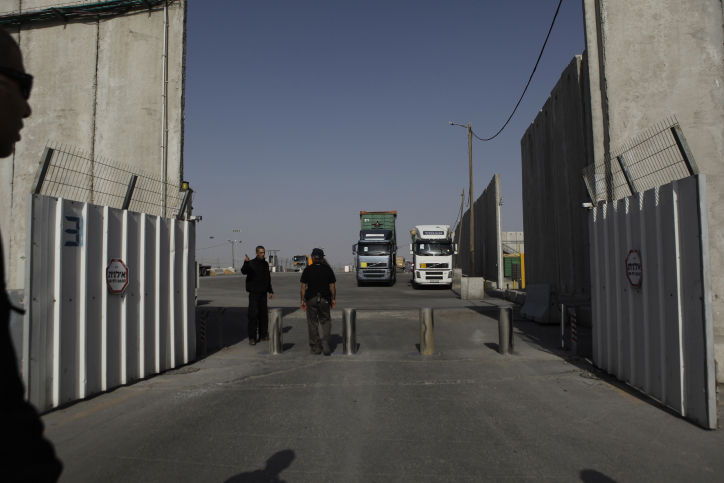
(658, 337)
(79, 338)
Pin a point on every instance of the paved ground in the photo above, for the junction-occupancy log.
(386, 414)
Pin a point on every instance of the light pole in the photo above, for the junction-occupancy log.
(470, 195)
(233, 256)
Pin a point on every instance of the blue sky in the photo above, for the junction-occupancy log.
(300, 114)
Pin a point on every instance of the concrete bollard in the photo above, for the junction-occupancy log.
(221, 327)
(349, 332)
(505, 330)
(427, 332)
(276, 346)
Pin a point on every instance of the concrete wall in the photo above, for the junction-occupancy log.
(98, 87)
(488, 250)
(651, 59)
(554, 150)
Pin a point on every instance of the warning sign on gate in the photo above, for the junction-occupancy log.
(634, 270)
(117, 276)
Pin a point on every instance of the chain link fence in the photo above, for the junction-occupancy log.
(71, 173)
(656, 157)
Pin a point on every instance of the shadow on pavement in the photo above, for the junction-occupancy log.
(547, 338)
(593, 476)
(277, 463)
(226, 326)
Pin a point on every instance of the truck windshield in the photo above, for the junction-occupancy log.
(438, 249)
(301, 258)
(373, 249)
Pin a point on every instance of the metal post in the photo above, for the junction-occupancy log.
(349, 332)
(563, 326)
(472, 202)
(427, 332)
(276, 346)
(221, 327)
(505, 330)
(129, 192)
(42, 170)
(574, 332)
(626, 174)
(684, 150)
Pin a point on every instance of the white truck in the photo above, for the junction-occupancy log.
(432, 252)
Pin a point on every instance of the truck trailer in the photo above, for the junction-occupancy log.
(376, 251)
(432, 251)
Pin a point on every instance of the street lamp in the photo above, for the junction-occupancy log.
(470, 195)
(233, 256)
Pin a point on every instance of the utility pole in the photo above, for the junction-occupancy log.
(472, 202)
(460, 225)
(470, 196)
(233, 256)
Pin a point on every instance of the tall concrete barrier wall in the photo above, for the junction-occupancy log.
(554, 150)
(98, 87)
(651, 59)
(488, 245)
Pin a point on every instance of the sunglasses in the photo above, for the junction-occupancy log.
(25, 81)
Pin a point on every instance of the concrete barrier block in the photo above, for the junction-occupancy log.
(520, 298)
(472, 288)
(457, 277)
(538, 302)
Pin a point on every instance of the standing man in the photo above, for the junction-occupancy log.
(258, 284)
(318, 298)
(26, 455)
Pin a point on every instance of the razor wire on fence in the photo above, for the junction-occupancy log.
(654, 158)
(71, 173)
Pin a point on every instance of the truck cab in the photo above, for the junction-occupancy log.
(300, 263)
(432, 251)
(375, 256)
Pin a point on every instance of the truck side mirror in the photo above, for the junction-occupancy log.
(456, 249)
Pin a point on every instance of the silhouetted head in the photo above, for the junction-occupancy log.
(280, 461)
(14, 92)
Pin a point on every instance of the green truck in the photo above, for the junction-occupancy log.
(376, 251)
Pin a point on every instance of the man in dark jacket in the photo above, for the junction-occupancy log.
(258, 284)
(25, 454)
(318, 298)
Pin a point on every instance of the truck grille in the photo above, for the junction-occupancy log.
(437, 265)
(367, 272)
(433, 273)
(377, 264)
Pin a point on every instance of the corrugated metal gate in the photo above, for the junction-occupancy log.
(657, 337)
(79, 338)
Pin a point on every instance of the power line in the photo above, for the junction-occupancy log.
(204, 248)
(529, 79)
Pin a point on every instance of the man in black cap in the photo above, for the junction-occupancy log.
(318, 298)
(258, 284)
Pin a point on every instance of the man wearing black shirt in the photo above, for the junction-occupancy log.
(258, 284)
(318, 298)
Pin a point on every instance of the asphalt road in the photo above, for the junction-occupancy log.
(385, 414)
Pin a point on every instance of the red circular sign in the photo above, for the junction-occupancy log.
(117, 276)
(634, 268)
